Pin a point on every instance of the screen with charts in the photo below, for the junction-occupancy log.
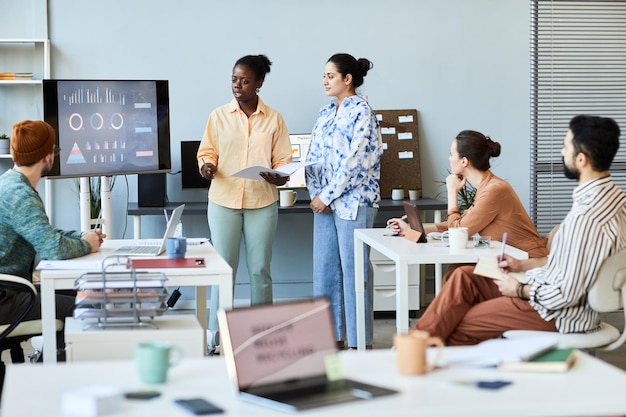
(108, 127)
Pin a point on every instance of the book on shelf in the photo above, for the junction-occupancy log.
(554, 360)
(16, 75)
(487, 266)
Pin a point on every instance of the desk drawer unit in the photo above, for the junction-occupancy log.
(96, 344)
(385, 283)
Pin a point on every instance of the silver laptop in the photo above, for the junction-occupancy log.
(275, 355)
(156, 250)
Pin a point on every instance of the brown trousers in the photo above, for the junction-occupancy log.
(470, 309)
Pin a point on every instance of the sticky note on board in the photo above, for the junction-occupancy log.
(385, 146)
(332, 364)
(405, 119)
(405, 136)
(379, 117)
(388, 130)
(405, 155)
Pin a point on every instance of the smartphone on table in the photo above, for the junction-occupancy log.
(199, 406)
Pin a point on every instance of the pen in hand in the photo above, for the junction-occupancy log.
(503, 245)
(401, 218)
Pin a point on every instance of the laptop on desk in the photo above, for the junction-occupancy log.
(154, 250)
(276, 354)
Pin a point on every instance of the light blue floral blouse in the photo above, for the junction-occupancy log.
(346, 141)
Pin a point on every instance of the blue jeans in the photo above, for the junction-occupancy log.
(258, 228)
(333, 271)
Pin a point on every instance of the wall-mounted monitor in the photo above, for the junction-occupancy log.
(109, 127)
(190, 176)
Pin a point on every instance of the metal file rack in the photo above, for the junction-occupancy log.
(119, 295)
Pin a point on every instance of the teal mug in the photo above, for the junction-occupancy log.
(154, 359)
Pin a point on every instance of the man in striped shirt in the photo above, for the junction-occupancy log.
(471, 308)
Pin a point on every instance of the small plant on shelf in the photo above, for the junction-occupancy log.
(4, 143)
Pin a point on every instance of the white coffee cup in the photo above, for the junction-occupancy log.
(456, 237)
(288, 198)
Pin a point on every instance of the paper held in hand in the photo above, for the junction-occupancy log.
(487, 266)
(254, 172)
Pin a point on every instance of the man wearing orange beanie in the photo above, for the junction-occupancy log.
(25, 230)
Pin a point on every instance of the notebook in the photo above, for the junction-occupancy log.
(144, 250)
(275, 355)
(413, 216)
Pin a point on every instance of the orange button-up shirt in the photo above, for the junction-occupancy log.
(232, 141)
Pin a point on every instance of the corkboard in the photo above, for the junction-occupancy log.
(400, 164)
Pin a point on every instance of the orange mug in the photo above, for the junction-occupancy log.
(411, 352)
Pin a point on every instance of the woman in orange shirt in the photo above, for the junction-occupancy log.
(496, 208)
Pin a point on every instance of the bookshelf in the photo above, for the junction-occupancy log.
(23, 99)
(23, 96)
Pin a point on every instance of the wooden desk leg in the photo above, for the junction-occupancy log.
(359, 283)
(48, 318)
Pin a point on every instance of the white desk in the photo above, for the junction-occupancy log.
(405, 253)
(217, 272)
(590, 388)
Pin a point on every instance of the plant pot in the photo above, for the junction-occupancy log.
(415, 194)
(397, 194)
(4, 146)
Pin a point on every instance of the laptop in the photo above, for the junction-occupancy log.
(413, 216)
(154, 250)
(275, 356)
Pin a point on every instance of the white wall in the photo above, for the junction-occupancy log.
(463, 64)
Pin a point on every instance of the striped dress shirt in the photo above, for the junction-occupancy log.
(594, 229)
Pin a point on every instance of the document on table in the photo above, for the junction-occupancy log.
(91, 265)
(254, 172)
(496, 351)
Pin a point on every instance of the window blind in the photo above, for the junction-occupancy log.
(578, 66)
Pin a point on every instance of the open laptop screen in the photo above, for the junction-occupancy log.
(278, 343)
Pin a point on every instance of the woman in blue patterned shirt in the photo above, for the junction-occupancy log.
(344, 190)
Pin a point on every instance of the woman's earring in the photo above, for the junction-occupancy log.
(258, 90)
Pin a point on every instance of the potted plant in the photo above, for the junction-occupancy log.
(4, 144)
(465, 195)
(95, 204)
(397, 192)
(415, 194)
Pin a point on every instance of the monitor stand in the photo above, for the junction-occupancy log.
(105, 208)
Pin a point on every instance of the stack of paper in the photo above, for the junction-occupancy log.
(496, 351)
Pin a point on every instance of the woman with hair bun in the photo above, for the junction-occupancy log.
(496, 209)
(344, 190)
(245, 132)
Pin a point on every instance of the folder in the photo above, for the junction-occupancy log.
(169, 263)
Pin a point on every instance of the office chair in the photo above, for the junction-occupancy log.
(13, 334)
(607, 294)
